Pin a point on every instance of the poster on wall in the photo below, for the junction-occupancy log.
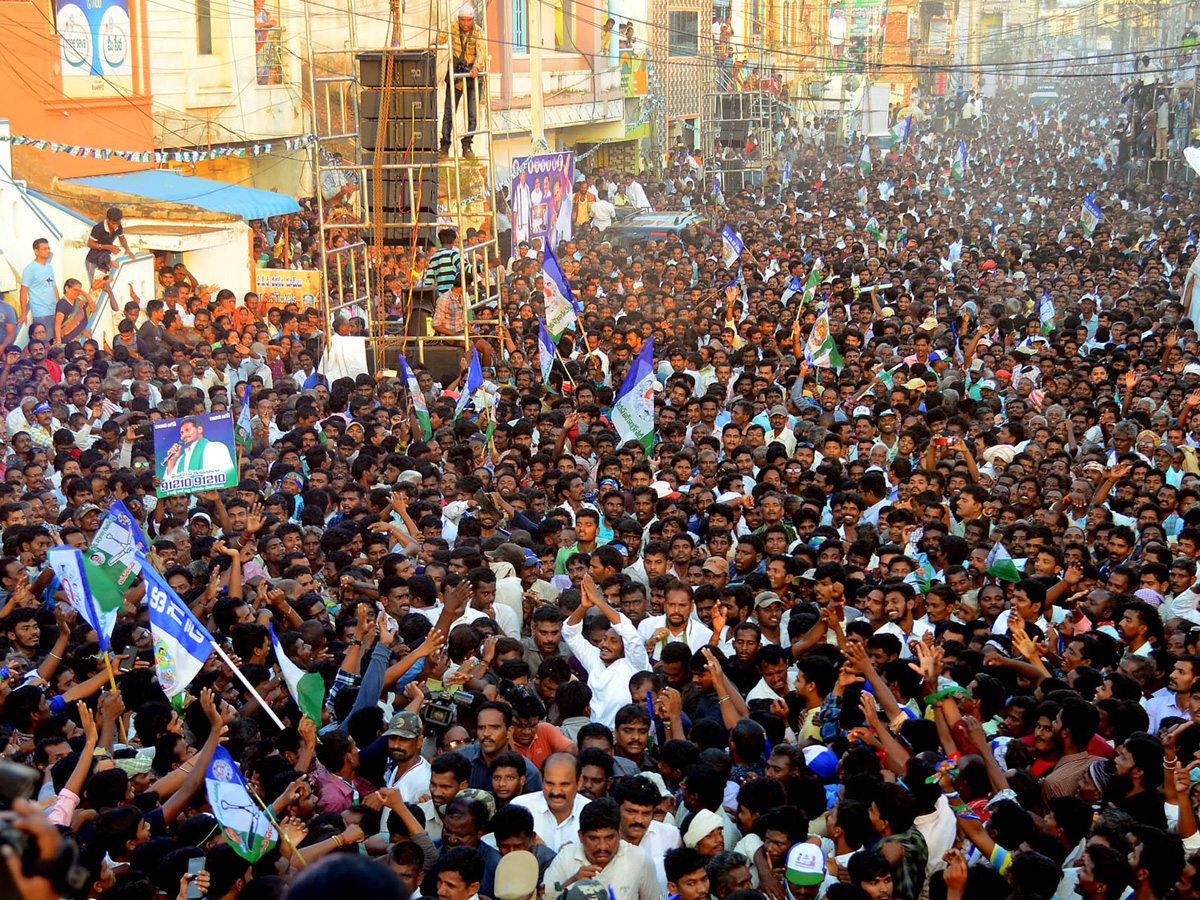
(279, 287)
(541, 198)
(195, 454)
(96, 48)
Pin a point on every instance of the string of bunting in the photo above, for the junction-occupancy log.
(161, 156)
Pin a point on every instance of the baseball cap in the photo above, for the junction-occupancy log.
(200, 514)
(477, 794)
(85, 509)
(404, 724)
(937, 356)
(766, 598)
(716, 565)
(778, 410)
(531, 558)
(888, 412)
(862, 412)
(1191, 369)
(805, 865)
(915, 384)
(987, 385)
(509, 553)
(588, 889)
(516, 876)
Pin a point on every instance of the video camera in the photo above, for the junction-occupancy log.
(440, 706)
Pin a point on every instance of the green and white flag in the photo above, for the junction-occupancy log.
(958, 166)
(308, 688)
(633, 413)
(420, 407)
(247, 828)
(821, 349)
(1000, 565)
(864, 159)
(810, 286)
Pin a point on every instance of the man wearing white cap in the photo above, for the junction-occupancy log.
(468, 58)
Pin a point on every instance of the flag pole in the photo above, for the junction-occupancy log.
(112, 681)
(246, 683)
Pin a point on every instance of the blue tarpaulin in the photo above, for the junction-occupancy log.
(216, 196)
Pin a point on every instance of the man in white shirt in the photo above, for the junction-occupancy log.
(621, 654)
(898, 607)
(408, 770)
(637, 798)
(603, 212)
(603, 857)
(556, 809)
(675, 624)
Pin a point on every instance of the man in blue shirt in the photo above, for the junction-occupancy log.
(39, 291)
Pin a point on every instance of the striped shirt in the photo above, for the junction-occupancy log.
(443, 269)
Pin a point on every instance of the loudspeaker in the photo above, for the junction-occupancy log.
(403, 135)
(410, 68)
(407, 104)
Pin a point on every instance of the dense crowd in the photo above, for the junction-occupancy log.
(920, 625)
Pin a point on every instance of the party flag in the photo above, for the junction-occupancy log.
(1046, 312)
(242, 429)
(1000, 565)
(1091, 215)
(821, 349)
(633, 413)
(547, 350)
(420, 407)
(958, 167)
(307, 688)
(560, 300)
(473, 383)
(864, 159)
(900, 130)
(181, 644)
(732, 245)
(68, 565)
(247, 828)
(795, 286)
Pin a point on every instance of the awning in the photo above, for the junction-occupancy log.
(205, 193)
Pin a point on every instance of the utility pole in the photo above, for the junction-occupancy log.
(537, 127)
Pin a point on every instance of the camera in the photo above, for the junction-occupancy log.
(439, 707)
(63, 871)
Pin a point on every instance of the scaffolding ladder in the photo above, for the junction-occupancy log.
(391, 199)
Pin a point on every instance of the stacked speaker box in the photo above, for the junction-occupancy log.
(410, 137)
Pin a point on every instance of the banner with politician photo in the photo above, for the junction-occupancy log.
(195, 454)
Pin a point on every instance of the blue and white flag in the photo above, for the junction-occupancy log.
(242, 428)
(248, 829)
(958, 167)
(1091, 215)
(474, 383)
(794, 287)
(181, 644)
(560, 300)
(547, 350)
(67, 563)
(633, 413)
(420, 407)
(900, 130)
(1046, 312)
(732, 245)
(720, 194)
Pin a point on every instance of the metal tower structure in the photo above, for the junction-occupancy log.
(377, 88)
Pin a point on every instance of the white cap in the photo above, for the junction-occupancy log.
(467, 10)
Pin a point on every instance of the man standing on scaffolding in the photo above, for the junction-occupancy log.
(468, 59)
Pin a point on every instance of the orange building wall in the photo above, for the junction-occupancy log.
(33, 102)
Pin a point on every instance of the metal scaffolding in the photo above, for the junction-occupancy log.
(384, 190)
(733, 118)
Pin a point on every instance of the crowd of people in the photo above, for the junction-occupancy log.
(912, 620)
